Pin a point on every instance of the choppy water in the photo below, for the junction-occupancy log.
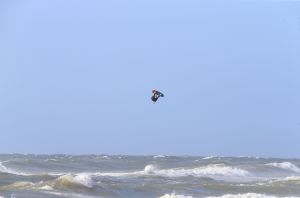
(101, 176)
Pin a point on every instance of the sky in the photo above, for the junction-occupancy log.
(76, 77)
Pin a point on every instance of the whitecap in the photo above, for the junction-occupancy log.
(208, 157)
(217, 170)
(105, 157)
(149, 169)
(158, 156)
(286, 179)
(285, 165)
(291, 178)
(101, 157)
(4, 169)
(249, 195)
(46, 187)
(17, 185)
(210, 170)
(83, 179)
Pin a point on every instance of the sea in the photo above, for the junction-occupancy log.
(157, 176)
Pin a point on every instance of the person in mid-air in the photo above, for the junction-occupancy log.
(156, 95)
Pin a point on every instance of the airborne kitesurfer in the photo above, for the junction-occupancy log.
(156, 95)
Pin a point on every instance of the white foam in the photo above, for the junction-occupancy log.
(210, 170)
(208, 157)
(249, 195)
(173, 195)
(149, 169)
(203, 171)
(105, 157)
(291, 178)
(18, 185)
(46, 187)
(117, 174)
(4, 169)
(159, 156)
(286, 179)
(83, 179)
(286, 165)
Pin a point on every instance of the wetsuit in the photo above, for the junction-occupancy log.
(155, 97)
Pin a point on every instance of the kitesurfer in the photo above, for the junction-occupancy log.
(156, 95)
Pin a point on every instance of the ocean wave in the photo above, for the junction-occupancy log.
(208, 157)
(291, 178)
(149, 169)
(4, 169)
(46, 187)
(210, 170)
(173, 195)
(17, 185)
(158, 156)
(64, 194)
(70, 180)
(204, 171)
(294, 179)
(249, 195)
(285, 165)
(101, 157)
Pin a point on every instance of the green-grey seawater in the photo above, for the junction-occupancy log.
(105, 176)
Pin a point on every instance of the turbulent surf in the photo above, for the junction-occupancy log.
(160, 176)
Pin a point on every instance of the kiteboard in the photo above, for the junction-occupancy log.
(159, 94)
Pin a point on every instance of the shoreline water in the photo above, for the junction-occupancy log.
(158, 176)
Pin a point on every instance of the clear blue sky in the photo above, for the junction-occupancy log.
(76, 77)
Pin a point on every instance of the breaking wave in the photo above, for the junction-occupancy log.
(249, 195)
(286, 179)
(4, 169)
(82, 179)
(210, 170)
(158, 156)
(149, 176)
(46, 187)
(285, 165)
(204, 171)
(150, 169)
(17, 185)
(245, 195)
(68, 181)
(208, 157)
